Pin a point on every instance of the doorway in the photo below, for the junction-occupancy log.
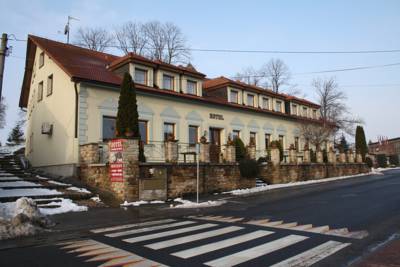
(215, 144)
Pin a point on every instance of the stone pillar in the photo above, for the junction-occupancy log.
(342, 157)
(350, 156)
(275, 156)
(331, 156)
(359, 158)
(171, 151)
(292, 155)
(251, 151)
(204, 152)
(306, 156)
(89, 153)
(124, 153)
(320, 156)
(230, 153)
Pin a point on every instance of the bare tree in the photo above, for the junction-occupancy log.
(250, 76)
(132, 38)
(97, 39)
(3, 108)
(277, 73)
(334, 114)
(175, 41)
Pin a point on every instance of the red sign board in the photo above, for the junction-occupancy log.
(116, 161)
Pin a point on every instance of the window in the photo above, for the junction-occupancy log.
(278, 106)
(140, 76)
(234, 97)
(304, 111)
(282, 140)
(108, 127)
(143, 131)
(168, 82)
(235, 134)
(314, 114)
(191, 87)
(265, 103)
(169, 130)
(294, 109)
(253, 138)
(40, 91)
(50, 85)
(267, 140)
(41, 60)
(250, 100)
(296, 143)
(193, 134)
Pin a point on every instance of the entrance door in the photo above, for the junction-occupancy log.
(215, 144)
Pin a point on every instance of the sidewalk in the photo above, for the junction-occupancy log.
(387, 256)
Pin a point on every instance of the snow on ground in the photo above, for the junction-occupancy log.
(4, 179)
(275, 186)
(28, 192)
(385, 169)
(10, 149)
(18, 184)
(80, 190)
(57, 183)
(96, 199)
(187, 204)
(66, 205)
(5, 174)
(140, 202)
(7, 210)
(41, 177)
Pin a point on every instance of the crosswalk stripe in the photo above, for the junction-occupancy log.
(188, 253)
(121, 227)
(148, 229)
(255, 252)
(191, 238)
(169, 233)
(313, 255)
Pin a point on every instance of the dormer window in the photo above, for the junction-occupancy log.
(294, 109)
(191, 87)
(234, 97)
(314, 114)
(168, 82)
(141, 76)
(265, 103)
(305, 111)
(278, 106)
(250, 100)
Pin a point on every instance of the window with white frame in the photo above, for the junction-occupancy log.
(143, 131)
(250, 100)
(169, 130)
(40, 92)
(193, 134)
(253, 138)
(234, 97)
(265, 103)
(191, 87)
(109, 124)
(278, 106)
(294, 109)
(305, 111)
(50, 85)
(235, 134)
(140, 76)
(168, 82)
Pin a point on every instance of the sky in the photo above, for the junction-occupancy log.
(372, 94)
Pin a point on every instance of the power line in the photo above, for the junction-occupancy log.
(216, 50)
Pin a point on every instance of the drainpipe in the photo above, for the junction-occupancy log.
(76, 108)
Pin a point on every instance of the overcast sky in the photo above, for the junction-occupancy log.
(373, 94)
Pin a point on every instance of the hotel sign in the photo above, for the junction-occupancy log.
(116, 161)
(216, 116)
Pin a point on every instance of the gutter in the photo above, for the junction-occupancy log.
(76, 108)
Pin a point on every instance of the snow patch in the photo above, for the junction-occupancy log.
(187, 204)
(57, 183)
(141, 202)
(80, 190)
(66, 205)
(28, 192)
(275, 186)
(41, 177)
(18, 184)
(96, 199)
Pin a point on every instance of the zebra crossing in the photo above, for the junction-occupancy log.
(207, 241)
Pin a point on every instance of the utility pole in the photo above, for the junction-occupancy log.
(67, 27)
(3, 51)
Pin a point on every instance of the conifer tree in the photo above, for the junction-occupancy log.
(343, 145)
(361, 142)
(127, 124)
(16, 135)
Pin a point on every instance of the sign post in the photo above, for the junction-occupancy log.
(198, 170)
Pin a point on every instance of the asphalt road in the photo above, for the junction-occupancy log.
(329, 224)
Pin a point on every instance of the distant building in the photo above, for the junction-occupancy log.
(71, 97)
(388, 147)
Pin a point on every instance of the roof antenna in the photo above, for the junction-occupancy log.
(67, 27)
